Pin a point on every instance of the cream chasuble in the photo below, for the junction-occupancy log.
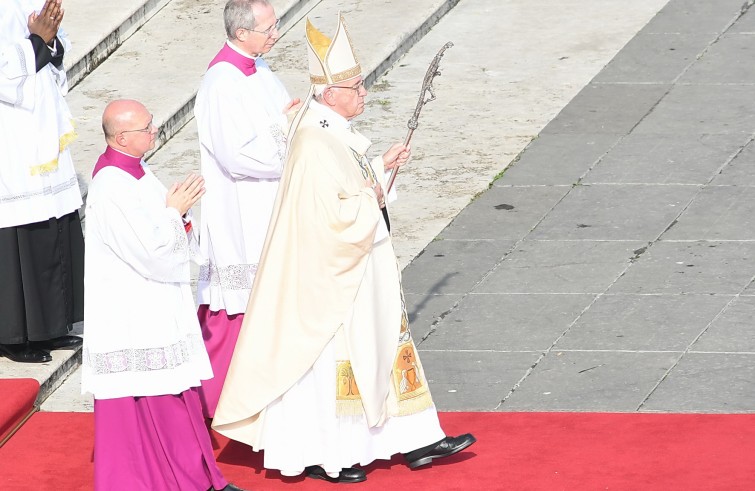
(324, 276)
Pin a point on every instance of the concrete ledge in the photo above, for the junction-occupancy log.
(97, 30)
(66, 364)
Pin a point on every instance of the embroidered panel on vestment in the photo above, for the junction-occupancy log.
(45, 191)
(233, 277)
(143, 360)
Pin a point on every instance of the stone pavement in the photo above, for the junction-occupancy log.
(611, 267)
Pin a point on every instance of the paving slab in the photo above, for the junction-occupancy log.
(552, 159)
(607, 108)
(504, 213)
(425, 310)
(707, 383)
(643, 322)
(704, 267)
(740, 171)
(702, 109)
(473, 380)
(732, 331)
(721, 62)
(506, 322)
(717, 213)
(454, 266)
(665, 159)
(615, 212)
(560, 267)
(694, 16)
(746, 23)
(590, 381)
(654, 58)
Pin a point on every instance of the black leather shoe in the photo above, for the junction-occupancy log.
(229, 487)
(23, 353)
(347, 474)
(63, 342)
(447, 446)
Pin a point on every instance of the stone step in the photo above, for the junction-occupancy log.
(97, 29)
(161, 65)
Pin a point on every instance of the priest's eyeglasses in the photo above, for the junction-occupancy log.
(150, 127)
(269, 31)
(356, 87)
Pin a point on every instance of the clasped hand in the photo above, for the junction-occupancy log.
(182, 196)
(46, 23)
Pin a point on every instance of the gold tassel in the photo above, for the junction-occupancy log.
(351, 407)
(415, 404)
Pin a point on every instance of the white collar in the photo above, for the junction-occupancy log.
(238, 50)
(331, 115)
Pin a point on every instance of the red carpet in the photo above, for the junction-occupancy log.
(17, 398)
(515, 451)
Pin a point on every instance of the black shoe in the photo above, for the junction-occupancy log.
(447, 446)
(63, 342)
(229, 487)
(347, 474)
(23, 353)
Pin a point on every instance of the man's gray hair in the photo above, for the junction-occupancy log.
(238, 14)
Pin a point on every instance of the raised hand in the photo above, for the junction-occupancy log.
(47, 22)
(396, 156)
(182, 196)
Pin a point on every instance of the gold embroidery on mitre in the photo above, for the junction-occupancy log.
(346, 74)
(318, 79)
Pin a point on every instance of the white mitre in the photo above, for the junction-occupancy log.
(331, 61)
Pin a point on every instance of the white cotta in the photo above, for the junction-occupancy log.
(242, 141)
(38, 177)
(141, 335)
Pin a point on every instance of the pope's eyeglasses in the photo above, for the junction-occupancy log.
(356, 87)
